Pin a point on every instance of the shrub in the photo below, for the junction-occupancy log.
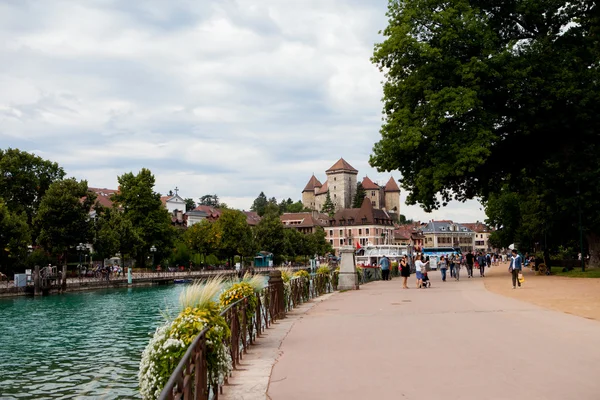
(302, 274)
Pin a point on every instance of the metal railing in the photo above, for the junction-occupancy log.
(190, 379)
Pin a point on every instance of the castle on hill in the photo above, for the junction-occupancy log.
(341, 183)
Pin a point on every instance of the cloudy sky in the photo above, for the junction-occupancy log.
(231, 97)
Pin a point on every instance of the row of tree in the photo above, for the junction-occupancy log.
(48, 215)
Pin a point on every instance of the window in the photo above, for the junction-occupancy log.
(443, 228)
(341, 232)
(331, 241)
(331, 232)
(373, 203)
(367, 231)
(334, 195)
(334, 188)
(360, 231)
(341, 242)
(372, 193)
(334, 178)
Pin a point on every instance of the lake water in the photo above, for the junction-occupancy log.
(84, 345)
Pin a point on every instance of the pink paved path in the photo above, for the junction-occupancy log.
(453, 341)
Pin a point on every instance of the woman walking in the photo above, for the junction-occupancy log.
(443, 267)
(404, 272)
(420, 266)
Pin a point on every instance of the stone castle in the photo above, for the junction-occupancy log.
(341, 184)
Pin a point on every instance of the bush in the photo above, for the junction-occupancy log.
(302, 274)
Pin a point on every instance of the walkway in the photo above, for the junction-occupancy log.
(455, 340)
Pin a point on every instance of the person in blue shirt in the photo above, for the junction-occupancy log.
(516, 265)
(384, 263)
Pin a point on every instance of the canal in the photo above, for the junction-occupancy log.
(83, 345)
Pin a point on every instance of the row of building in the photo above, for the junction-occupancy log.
(375, 222)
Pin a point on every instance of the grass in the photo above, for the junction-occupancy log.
(201, 294)
(576, 273)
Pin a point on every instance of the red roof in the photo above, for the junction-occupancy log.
(365, 215)
(252, 218)
(304, 219)
(211, 212)
(391, 186)
(312, 184)
(323, 189)
(476, 227)
(368, 184)
(342, 165)
(103, 196)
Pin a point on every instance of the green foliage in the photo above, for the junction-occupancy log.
(270, 236)
(24, 179)
(211, 200)
(142, 206)
(14, 238)
(62, 219)
(211, 259)
(324, 269)
(359, 196)
(189, 204)
(204, 237)
(236, 236)
(473, 96)
(237, 292)
(328, 207)
(259, 204)
(181, 254)
(302, 274)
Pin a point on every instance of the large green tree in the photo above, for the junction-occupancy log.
(211, 200)
(328, 206)
(24, 178)
(270, 236)
(259, 204)
(14, 238)
(478, 95)
(236, 234)
(63, 218)
(359, 196)
(141, 205)
(204, 237)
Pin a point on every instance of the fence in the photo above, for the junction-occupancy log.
(190, 378)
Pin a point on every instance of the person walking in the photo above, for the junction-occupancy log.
(457, 268)
(384, 263)
(420, 267)
(516, 265)
(470, 258)
(482, 261)
(404, 272)
(451, 261)
(443, 267)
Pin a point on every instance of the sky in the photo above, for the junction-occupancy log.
(226, 97)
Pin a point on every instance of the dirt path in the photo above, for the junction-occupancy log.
(577, 296)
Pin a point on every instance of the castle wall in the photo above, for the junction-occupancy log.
(342, 188)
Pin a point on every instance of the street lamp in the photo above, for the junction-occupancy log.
(80, 248)
(152, 251)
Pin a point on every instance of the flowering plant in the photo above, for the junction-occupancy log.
(302, 274)
(172, 339)
(237, 292)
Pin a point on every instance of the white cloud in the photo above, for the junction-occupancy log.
(232, 97)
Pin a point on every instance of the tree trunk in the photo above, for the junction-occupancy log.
(594, 249)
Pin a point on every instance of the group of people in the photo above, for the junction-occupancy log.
(453, 262)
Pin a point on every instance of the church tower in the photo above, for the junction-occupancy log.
(392, 197)
(341, 182)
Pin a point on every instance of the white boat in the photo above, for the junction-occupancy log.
(370, 255)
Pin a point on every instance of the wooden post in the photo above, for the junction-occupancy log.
(277, 295)
(64, 278)
(36, 281)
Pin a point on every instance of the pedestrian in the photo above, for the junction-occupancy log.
(516, 265)
(420, 267)
(443, 267)
(457, 268)
(452, 260)
(470, 258)
(384, 263)
(481, 260)
(404, 272)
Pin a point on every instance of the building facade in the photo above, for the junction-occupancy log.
(360, 227)
(341, 184)
(448, 234)
(305, 222)
(481, 241)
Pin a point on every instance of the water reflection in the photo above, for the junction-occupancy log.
(82, 345)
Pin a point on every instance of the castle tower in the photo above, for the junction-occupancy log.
(373, 192)
(341, 182)
(392, 197)
(308, 194)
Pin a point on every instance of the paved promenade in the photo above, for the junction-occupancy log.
(455, 340)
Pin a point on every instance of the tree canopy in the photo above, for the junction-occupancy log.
(259, 204)
(328, 206)
(14, 237)
(63, 218)
(476, 95)
(211, 200)
(24, 178)
(359, 196)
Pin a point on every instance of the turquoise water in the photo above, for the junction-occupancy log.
(81, 345)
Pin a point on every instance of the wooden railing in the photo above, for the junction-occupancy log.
(190, 379)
